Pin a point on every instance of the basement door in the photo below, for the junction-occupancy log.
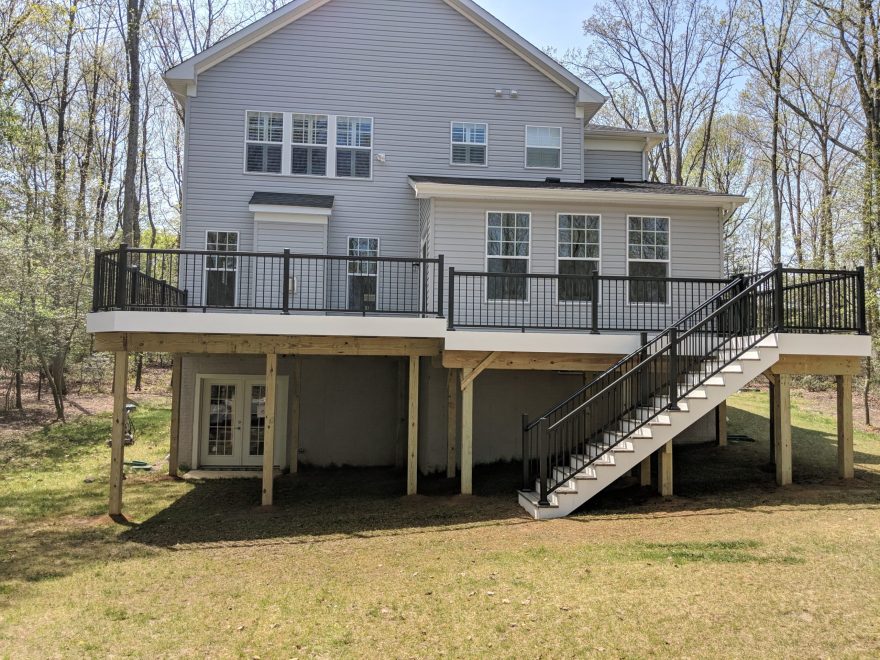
(233, 422)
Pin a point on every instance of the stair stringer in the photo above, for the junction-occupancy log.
(664, 428)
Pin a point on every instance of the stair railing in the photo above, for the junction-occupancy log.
(580, 431)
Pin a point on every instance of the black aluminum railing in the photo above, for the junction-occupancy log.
(565, 302)
(579, 431)
(815, 301)
(203, 280)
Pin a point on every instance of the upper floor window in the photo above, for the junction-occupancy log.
(265, 132)
(648, 256)
(544, 147)
(469, 143)
(309, 151)
(508, 249)
(578, 241)
(354, 147)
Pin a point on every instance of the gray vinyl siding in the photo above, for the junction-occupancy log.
(603, 164)
(414, 67)
(308, 286)
(695, 239)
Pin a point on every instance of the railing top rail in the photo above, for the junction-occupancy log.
(661, 351)
(278, 255)
(607, 278)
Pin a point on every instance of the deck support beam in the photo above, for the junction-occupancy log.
(781, 405)
(645, 472)
(117, 437)
(174, 449)
(452, 393)
(412, 445)
(467, 434)
(269, 428)
(845, 465)
(721, 424)
(664, 469)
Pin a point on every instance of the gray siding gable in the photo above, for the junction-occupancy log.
(604, 164)
(412, 65)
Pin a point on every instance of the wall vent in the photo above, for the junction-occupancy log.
(552, 179)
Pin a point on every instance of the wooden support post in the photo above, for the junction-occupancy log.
(773, 381)
(467, 435)
(645, 472)
(117, 437)
(782, 429)
(412, 445)
(401, 410)
(664, 469)
(269, 428)
(295, 415)
(451, 422)
(721, 424)
(845, 428)
(174, 450)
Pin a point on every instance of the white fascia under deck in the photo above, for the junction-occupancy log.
(428, 328)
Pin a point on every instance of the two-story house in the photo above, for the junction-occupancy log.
(402, 231)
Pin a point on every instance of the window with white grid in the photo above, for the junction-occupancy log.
(578, 241)
(508, 250)
(264, 142)
(470, 142)
(648, 258)
(354, 147)
(544, 147)
(309, 151)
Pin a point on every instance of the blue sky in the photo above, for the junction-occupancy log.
(555, 23)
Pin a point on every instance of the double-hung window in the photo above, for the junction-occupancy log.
(221, 272)
(544, 147)
(363, 275)
(265, 139)
(309, 151)
(578, 238)
(508, 248)
(354, 147)
(469, 143)
(648, 255)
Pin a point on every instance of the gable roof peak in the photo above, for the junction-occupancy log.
(183, 78)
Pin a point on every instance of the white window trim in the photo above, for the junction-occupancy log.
(452, 143)
(630, 260)
(335, 119)
(287, 146)
(331, 132)
(528, 259)
(526, 149)
(598, 260)
(285, 136)
(238, 269)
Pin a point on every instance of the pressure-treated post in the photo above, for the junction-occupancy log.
(782, 430)
(467, 434)
(721, 424)
(174, 450)
(269, 428)
(452, 390)
(526, 476)
(673, 369)
(117, 436)
(285, 284)
(664, 469)
(121, 275)
(845, 465)
(412, 445)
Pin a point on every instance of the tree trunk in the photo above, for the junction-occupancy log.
(130, 199)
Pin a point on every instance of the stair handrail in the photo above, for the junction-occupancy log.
(672, 347)
(735, 282)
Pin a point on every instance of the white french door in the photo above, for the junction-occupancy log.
(233, 421)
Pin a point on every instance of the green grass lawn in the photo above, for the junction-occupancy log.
(346, 566)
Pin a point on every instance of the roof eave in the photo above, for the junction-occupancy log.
(433, 189)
